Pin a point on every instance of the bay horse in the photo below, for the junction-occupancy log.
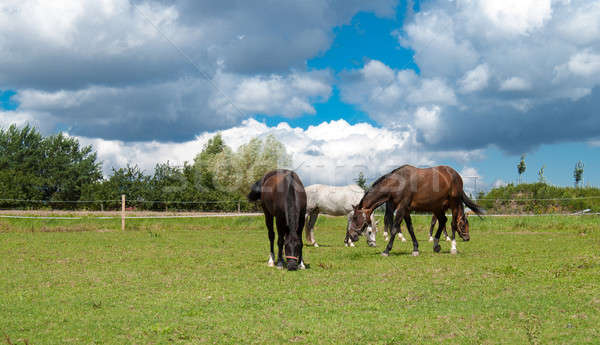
(334, 201)
(433, 190)
(283, 197)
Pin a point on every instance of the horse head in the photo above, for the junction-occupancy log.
(360, 220)
(463, 226)
(293, 248)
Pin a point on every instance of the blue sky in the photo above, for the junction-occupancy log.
(361, 86)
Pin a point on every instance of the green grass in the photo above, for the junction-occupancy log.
(190, 281)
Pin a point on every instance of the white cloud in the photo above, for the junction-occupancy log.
(475, 79)
(183, 106)
(517, 16)
(503, 67)
(427, 120)
(143, 69)
(515, 84)
(333, 152)
(499, 183)
(584, 63)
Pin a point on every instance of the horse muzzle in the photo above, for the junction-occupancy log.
(292, 263)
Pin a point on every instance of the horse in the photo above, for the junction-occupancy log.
(433, 190)
(334, 201)
(388, 221)
(283, 197)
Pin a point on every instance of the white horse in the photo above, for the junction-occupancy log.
(334, 201)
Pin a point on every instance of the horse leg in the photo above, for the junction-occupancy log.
(433, 221)
(269, 221)
(388, 220)
(454, 224)
(444, 229)
(301, 221)
(372, 232)
(395, 226)
(411, 231)
(441, 217)
(281, 227)
(311, 219)
(347, 240)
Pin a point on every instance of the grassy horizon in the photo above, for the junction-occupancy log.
(205, 280)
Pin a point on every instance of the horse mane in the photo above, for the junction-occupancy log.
(378, 181)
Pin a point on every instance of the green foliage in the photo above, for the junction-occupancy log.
(521, 167)
(541, 176)
(578, 173)
(361, 181)
(529, 198)
(44, 168)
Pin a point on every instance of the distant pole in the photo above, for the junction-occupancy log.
(123, 212)
(238, 206)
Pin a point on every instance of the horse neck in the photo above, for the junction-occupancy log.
(374, 198)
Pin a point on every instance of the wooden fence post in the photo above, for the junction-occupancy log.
(238, 206)
(123, 212)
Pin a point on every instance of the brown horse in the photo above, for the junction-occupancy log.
(412, 189)
(283, 197)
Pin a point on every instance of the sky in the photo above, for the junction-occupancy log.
(347, 86)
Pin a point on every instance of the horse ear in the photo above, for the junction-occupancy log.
(354, 206)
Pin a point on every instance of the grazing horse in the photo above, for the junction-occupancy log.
(334, 201)
(389, 221)
(412, 189)
(282, 197)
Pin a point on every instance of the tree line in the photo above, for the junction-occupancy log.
(55, 171)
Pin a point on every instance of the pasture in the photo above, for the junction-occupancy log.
(193, 281)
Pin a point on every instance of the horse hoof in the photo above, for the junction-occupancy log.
(302, 266)
(316, 245)
(453, 251)
(448, 239)
(403, 239)
(352, 244)
(385, 254)
(437, 248)
(430, 239)
(270, 264)
(372, 245)
(415, 253)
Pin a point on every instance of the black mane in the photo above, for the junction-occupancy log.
(376, 182)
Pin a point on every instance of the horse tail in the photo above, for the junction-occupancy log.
(255, 191)
(388, 218)
(471, 204)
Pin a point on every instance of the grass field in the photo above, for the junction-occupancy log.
(190, 281)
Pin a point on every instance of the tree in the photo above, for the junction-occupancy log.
(44, 168)
(255, 158)
(521, 167)
(541, 177)
(361, 181)
(578, 173)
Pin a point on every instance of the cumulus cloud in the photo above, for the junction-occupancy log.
(475, 79)
(515, 84)
(332, 152)
(175, 110)
(514, 74)
(167, 69)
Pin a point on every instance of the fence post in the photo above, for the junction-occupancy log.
(102, 206)
(238, 206)
(123, 212)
